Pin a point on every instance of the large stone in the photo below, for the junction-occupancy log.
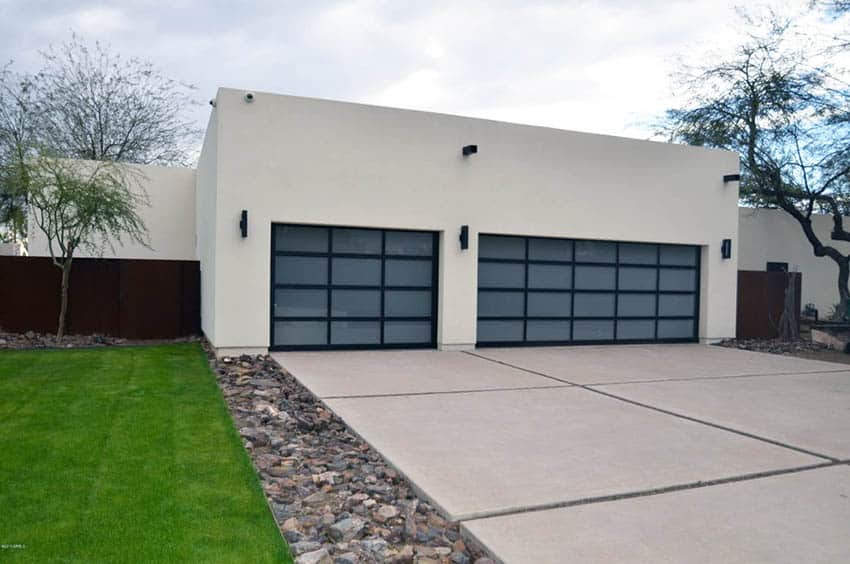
(346, 529)
(320, 556)
(302, 547)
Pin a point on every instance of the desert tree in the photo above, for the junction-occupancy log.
(87, 102)
(83, 206)
(782, 102)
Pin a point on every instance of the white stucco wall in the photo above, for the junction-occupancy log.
(300, 160)
(205, 210)
(170, 219)
(773, 235)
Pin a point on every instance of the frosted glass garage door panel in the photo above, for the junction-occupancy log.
(677, 279)
(409, 243)
(675, 328)
(678, 255)
(676, 304)
(593, 330)
(403, 303)
(296, 302)
(501, 275)
(593, 305)
(490, 246)
(302, 239)
(635, 329)
(407, 272)
(595, 277)
(295, 333)
(355, 303)
(301, 270)
(407, 332)
(549, 304)
(550, 276)
(632, 278)
(636, 305)
(361, 241)
(548, 330)
(596, 251)
(550, 249)
(356, 272)
(495, 331)
(355, 332)
(501, 304)
(636, 253)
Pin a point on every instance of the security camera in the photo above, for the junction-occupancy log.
(212, 102)
(249, 96)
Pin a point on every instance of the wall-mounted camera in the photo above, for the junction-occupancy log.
(249, 96)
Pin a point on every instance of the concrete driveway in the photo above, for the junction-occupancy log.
(615, 453)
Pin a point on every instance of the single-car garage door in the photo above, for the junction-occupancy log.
(560, 291)
(343, 288)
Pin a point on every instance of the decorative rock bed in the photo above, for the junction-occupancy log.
(774, 346)
(33, 340)
(334, 498)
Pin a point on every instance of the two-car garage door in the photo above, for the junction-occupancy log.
(551, 291)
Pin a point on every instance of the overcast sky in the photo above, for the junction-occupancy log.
(590, 66)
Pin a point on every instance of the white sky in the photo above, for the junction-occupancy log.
(591, 66)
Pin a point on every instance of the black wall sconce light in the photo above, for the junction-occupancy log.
(726, 249)
(731, 178)
(469, 150)
(243, 223)
(464, 237)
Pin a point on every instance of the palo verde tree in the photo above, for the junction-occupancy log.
(782, 102)
(82, 206)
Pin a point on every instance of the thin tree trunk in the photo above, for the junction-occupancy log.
(63, 310)
(789, 329)
(843, 291)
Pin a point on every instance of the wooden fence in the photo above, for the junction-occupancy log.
(761, 297)
(134, 299)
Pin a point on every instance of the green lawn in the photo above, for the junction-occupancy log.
(125, 455)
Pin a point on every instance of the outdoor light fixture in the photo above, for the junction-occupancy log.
(243, 223)
(469, 150)
(464, 237)
(731, 178)
(726, 249)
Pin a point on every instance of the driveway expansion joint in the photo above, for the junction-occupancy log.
(447, 392)
(649, 492)
(589, 388)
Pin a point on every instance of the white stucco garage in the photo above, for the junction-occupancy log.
(354, 215)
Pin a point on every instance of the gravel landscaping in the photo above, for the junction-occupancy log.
(335, 499)
(33, 340)
(774, 346)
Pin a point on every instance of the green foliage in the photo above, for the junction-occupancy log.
(125, 455)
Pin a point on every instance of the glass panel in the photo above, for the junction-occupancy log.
(550, 249)
(357, 272)
(301, 238)
(676, 304)
(593, 330)
(635, 329)
(554, 276)
(400, 303)
(548, 331)
(492, 246)
(637, 278)
(301, 270)
(300, 333)
(500, 304)
(355, 333)
(409, 243)
(408, 273)
(674, 254)
(300, 303)
(549, 304)
(675, 328)
(670, 279)
(636, 305)
(595, 251)
(407, 332)
(595, 277)
(636, 253)
(355, 303)
(594, 305)
(501, 275)
(489, 331)
(366, 241)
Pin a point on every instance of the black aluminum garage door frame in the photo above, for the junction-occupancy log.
(434, 257)
(573, 291)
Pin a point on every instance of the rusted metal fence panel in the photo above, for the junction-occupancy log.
(134, 299)
(761, 299)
